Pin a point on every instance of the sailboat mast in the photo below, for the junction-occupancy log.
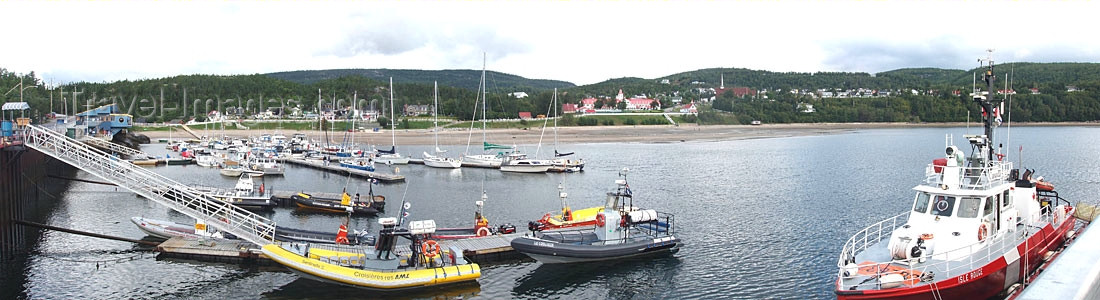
(393, 137)
(484, 99)
(435, 114)
(554, 106)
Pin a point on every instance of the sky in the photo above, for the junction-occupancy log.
(582, 42)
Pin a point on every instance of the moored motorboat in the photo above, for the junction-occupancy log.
(378, 267)
(481, 226)
(372, 206)
(618, 234)
(245, 195)
(359, 163)
(167, 229)
(977, 226)
(568, 217)
(519, 163)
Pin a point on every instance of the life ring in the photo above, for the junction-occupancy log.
(430, 248)
(981, 232)
(599, 220)
(483, 231)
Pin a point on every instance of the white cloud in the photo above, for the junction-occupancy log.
(581, 42)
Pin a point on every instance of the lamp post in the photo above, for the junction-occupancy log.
(21, 88)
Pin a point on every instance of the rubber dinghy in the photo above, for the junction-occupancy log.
(378, 267)
(618, 234)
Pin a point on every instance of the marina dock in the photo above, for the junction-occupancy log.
(336, 168)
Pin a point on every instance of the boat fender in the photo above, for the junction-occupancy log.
(430, 248)
(483, 231)
(890, 281)
(600, 220)
(851, 269)
(982, 231)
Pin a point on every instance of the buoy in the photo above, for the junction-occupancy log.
(599, 220)
(430, 248)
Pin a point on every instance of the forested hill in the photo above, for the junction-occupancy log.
(467, 79)
(1024, 75)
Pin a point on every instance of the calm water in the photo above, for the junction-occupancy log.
(762, 218)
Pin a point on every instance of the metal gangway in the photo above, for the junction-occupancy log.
(116, 148)
(182, 198)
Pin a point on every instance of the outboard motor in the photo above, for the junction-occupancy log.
(507, 228)
(533, 226)
(386, 238)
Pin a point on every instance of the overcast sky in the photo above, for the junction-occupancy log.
(582, 42)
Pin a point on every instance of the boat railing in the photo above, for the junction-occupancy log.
(973, 178)
(939, 265)
(663, 225)
(185, 199)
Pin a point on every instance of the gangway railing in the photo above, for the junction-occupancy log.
(162, 190)
(116, 148)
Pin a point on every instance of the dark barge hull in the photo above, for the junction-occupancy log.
(334, 206)
(587, 249)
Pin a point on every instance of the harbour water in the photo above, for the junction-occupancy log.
(760, 218)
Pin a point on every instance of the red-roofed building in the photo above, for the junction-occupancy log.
(589, 103)
(737, 91)
(569, 108)
(525, 115)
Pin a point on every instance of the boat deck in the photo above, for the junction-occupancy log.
(876, 261)
(481, 250)
(336, 168)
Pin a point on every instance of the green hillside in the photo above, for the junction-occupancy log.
(467, 79)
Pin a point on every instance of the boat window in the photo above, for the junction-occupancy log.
(968, 207)
(943, 206)
(1007, 200)
(988, 208)
(921, 205)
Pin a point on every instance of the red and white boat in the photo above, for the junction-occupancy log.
(976, 228)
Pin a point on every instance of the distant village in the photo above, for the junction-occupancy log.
(617, 104)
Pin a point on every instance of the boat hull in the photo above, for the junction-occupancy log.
(552, 252)
(369, 278)
(981, 283)
(332, 205)
(481, 161)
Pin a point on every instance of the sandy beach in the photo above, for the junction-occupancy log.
(595, 134)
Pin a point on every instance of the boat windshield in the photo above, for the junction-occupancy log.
(921, 205)
(943, 205)
(968, 207)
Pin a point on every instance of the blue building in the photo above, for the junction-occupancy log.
(104, 121)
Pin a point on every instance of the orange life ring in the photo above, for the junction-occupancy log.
(599, 220)
(430, 248)
(981, 232)
(483, 231)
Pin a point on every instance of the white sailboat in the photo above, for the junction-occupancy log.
(437, 160)
(560, 163)
(483, 160)
(519, 162)
(391, 157)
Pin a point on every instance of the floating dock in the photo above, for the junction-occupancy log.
(215, 250)
(336, 168)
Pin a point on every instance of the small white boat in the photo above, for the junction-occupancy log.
(208, 161)
(519, 163)
(434, 160)
(167, 229)
(482, 161)
(441, 162)
(269, 166)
